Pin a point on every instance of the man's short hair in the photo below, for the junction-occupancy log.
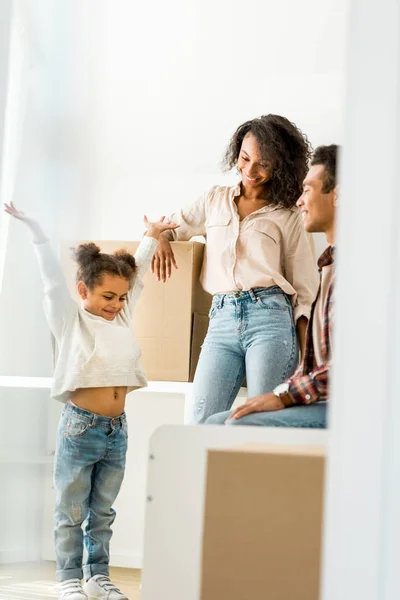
(327, 157)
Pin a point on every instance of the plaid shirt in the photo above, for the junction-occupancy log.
(310, 382)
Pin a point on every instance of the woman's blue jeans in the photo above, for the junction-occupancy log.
(250, 334)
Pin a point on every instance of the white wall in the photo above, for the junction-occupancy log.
(129, 108)
(165, 87)
(24, 424)
(168, 83)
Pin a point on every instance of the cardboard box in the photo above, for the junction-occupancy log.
(170, 320)
(199, 330)
(263, 523)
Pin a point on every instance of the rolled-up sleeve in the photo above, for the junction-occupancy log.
(191, 221)
(310, 388)
(301, 268)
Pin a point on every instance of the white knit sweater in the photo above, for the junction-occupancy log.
(91, 351)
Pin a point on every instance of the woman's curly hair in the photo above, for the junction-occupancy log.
(93, 264)
(283, 145)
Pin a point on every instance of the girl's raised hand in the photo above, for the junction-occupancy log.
(155, 229)
(33, 225)
(11, 210)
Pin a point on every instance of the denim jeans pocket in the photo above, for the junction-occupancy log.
(213, 310)
(72, 426)
(273, 301)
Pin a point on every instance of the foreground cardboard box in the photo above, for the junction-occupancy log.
(170, 320)
(263, 523)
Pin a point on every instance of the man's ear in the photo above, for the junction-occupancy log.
(82, 290)
(336, 196)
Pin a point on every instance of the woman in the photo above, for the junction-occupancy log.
(258, 265)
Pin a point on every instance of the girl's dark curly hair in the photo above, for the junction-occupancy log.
(92, 264)
(283, 145)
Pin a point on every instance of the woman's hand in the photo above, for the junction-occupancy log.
(163, 259)
(33, 225)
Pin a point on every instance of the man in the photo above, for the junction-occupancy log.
(301, 400)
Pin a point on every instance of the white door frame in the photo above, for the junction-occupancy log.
(362, 529)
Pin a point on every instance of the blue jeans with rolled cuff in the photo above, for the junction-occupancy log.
(88, 473)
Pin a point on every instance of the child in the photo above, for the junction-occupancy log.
(97, 365)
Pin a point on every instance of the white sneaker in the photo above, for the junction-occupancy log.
(71, 589)
(100, 587)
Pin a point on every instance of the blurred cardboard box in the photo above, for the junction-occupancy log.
(263, 523)
(170, 320)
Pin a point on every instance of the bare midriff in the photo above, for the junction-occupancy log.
(104, 401)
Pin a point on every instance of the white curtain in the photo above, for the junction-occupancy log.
(17, 69)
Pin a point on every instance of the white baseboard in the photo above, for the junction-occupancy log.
(126, 561)
(13, 555)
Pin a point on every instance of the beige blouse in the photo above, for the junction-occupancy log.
(268, 247)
